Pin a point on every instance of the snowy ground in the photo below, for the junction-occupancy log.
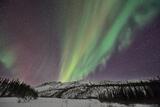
(53, 102)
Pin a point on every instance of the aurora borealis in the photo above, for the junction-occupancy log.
(70, 40)
(82, 54)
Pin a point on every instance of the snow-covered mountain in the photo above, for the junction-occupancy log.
(102, 90)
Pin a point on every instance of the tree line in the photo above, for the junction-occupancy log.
(15, 88)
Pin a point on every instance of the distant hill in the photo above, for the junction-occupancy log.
(141, 91)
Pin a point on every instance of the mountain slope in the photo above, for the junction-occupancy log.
(138, 91)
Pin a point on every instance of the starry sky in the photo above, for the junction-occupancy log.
(68, 40)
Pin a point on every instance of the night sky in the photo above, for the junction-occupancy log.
(68, 40)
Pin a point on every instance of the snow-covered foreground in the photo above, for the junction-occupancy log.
(54, 102)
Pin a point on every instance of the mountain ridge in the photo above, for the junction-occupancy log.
(103, 90)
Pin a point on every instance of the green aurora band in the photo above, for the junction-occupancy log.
(94, 29)
(7, 58)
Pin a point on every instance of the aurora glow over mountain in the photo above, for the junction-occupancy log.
(67, 40)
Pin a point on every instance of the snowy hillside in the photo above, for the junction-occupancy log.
(138, 91)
